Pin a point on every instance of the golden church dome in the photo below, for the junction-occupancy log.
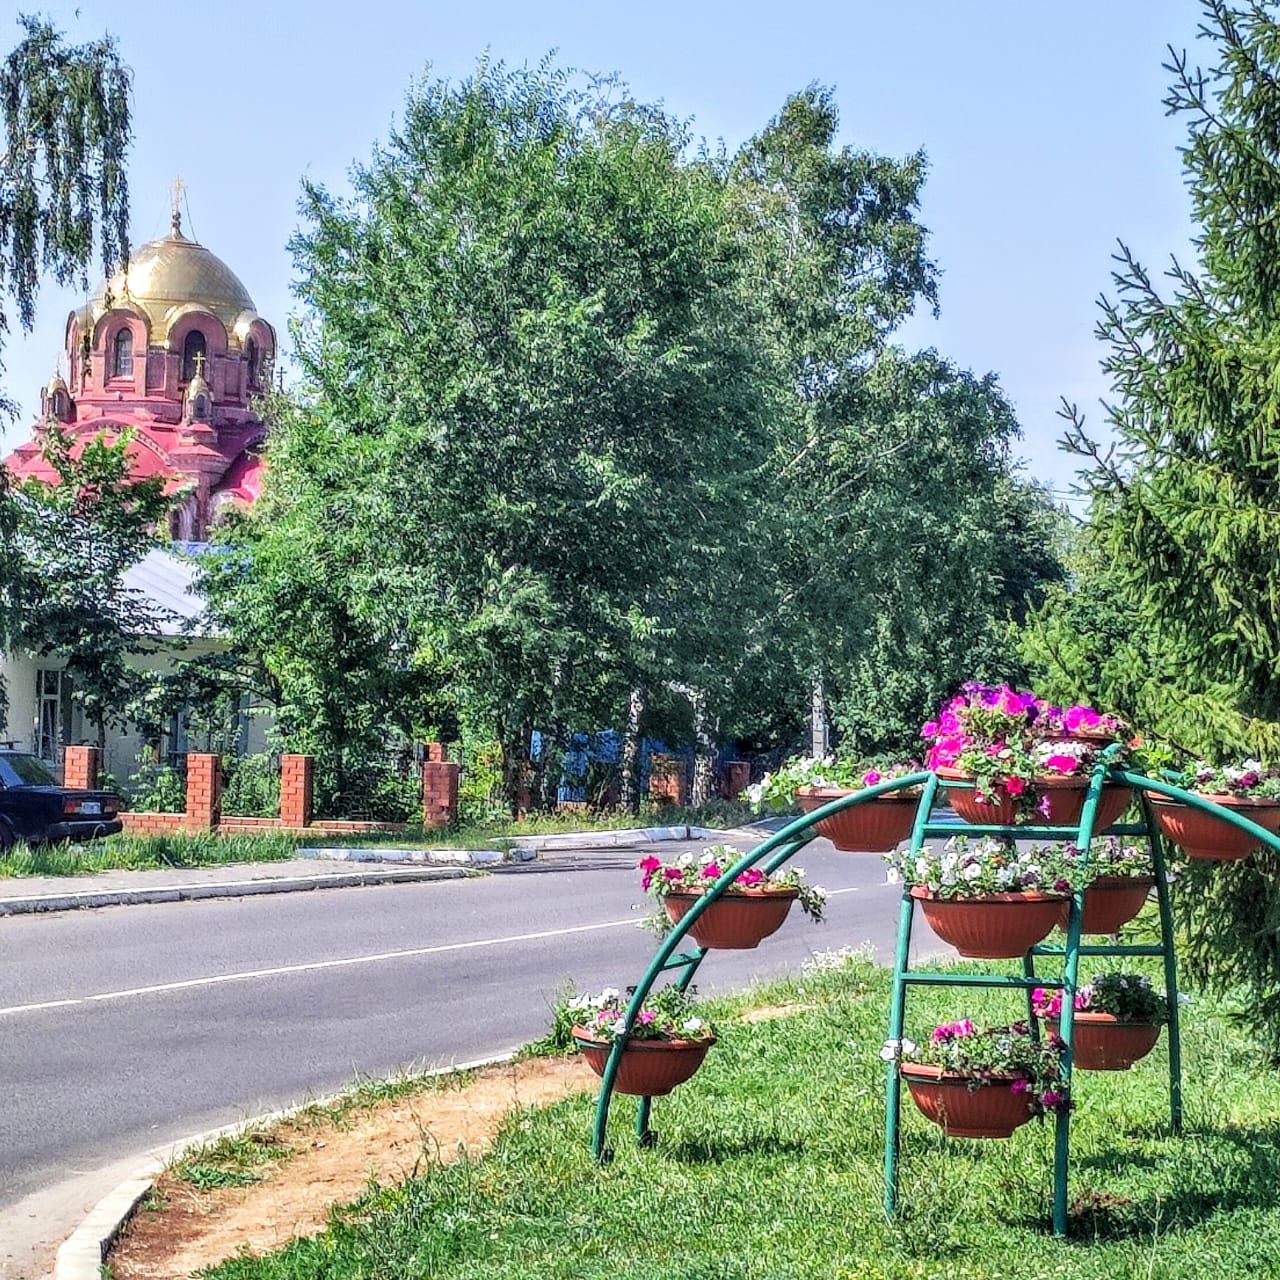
(168, 278)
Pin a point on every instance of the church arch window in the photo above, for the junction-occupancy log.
(122, 355)
(194, 346)
(254, 357)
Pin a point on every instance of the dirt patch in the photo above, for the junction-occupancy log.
(332, 1162)
(770, 1013)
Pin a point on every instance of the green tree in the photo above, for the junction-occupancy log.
(78, 537)
(533, 411)
(902, 537)
(65, 111)
(1185, 497)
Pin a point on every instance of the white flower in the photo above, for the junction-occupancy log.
(922, 868)
(972, 871)
(619, 1028)
(755, 792)
(891, 1050)
(819, 891)
(685, 860)
(892, 877)
(692, 1025)
(908, 1046)
(609, 994)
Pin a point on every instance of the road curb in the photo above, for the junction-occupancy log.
(608, 839)
(82, 1254)
(420, 857)
(29, 904)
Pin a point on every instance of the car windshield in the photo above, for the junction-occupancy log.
(17, 770)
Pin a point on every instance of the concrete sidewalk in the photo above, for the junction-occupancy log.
(22, 895)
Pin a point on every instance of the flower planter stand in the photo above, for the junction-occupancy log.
(1065, 957)
(738, 921)
(876, 827)
(1104, 1042)
(963, 1107)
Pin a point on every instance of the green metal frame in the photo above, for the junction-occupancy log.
(786, 843)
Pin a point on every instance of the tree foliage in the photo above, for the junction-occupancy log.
(77, 538)
(1184, 516)
(63, 185)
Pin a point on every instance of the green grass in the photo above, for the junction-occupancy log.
(769, 1166)
(234, 1161)
(140, 853)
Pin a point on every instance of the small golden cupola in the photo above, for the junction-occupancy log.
(55, 402)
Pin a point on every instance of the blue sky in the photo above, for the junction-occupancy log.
(1043, 124)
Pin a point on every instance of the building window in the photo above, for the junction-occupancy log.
(53, 714)
(122, 355)
(251, 352)
(194, 353)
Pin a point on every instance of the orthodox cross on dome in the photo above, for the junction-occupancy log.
(176, 188)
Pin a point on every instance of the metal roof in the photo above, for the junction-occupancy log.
(169, 582)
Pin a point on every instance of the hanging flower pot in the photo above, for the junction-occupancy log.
(1104, 1042)
(1202, 835)
(1110, 902)
(1056, 801)
(738, 920)
(649, 1068)
(875, 826)
(965, 1106)
(997, 926)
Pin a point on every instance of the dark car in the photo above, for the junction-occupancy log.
(34, 808)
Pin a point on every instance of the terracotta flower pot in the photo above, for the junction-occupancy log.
(1201, 835)
(875, 826)
(649, 1068)
(965, 1108)
(1104, 1042)
(1112, 901)
(737, 921)
(1065, 802)
(999, 926)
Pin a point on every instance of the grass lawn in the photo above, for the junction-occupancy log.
(132, 853)
(769, 1166)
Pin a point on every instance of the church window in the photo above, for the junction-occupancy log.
(201, 411)
(122, 355)
(195, 346)
(251, 351)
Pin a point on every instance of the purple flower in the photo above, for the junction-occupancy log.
(871, 777)
(711, 871)
(929, 729)
(1017, 1086)
(1052, 1098)
(646, 1016)
(673, 873)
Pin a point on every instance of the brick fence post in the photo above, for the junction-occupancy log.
(80, 767)
(297, 786)
(439, 787)
(734, 777)
(668, 780)
(204, 791)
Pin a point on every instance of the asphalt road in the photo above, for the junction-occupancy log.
(131, 1026)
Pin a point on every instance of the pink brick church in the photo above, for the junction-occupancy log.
(172, 348)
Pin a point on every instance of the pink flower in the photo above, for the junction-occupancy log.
(1014, 786)
(651, 863)
(929, 729)
(1043, 806)
(711, 871)
(964, 1027)
(1052, 1098)
(751, 877)
(871, 777)
(673, 873)
(1017, 1086)
(646, 1016)
(1061, 763)
(948, 723)
(1079, 717)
